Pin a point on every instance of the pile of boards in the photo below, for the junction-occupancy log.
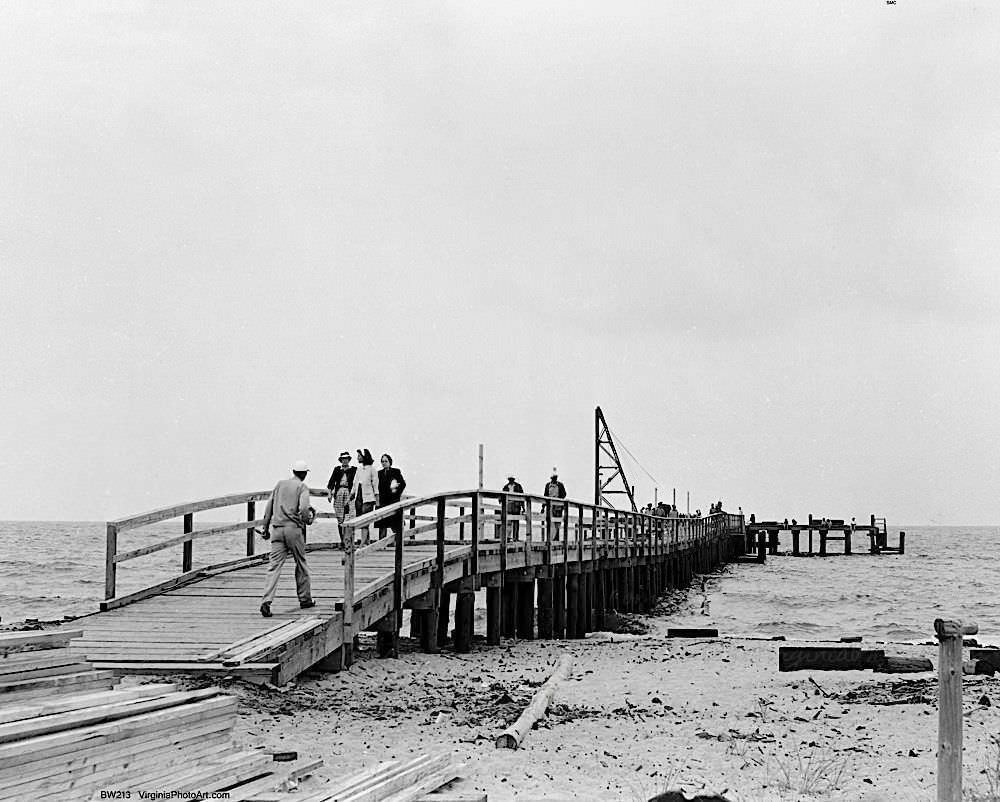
(38, 664)
(418, 780)
(74, 745)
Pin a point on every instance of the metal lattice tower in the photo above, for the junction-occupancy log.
(604, 449)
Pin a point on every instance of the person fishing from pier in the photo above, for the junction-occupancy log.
(391, 485)
(364, 496)
(555, 489)
(514, 507)
(341, 490)
(288, 514)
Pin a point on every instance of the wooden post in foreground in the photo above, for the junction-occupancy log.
(949, 780)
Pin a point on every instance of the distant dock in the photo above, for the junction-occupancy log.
(763, 536)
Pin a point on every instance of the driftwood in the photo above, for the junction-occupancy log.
(511, 737)
(903, 665)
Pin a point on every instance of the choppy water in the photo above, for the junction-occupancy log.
(947, 572)
(48, 570)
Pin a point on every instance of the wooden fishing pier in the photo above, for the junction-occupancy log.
(762, 536)
(558, 579)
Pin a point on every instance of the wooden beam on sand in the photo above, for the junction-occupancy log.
(512, 737)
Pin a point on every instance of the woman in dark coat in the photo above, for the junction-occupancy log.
(391, 485)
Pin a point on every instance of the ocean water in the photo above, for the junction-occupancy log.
(50, 570)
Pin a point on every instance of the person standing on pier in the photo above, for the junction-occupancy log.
(555, 489)
(391, 485)
(514, 507)
(288, 513)
(365, 493)
(341, 490)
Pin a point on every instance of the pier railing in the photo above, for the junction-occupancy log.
(549, 531)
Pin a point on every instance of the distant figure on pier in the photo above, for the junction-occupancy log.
(555, 489)
(288, 513)
(365, 492)
(391, 485)
(514, 507)
(341, 489)
(661, 510)
(672, 511)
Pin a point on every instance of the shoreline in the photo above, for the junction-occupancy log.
(640, 714)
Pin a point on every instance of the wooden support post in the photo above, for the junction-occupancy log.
(110, 566)
(545, 611)
(416, 623)
(572, 605)
(600, 598)
(429, 626)
(902, 542)
(397, 578)
(492, 615)
(188, 552)
(387, 643)
(508, 616)
(588, 603)
(559, 604)
(526, 610)
(251, 516)
(477, 532)
(847, 541)
(444, 617)
(583, 601)
(822, 542)
(461, 523)
(949, 779)
(761, 546)
(772, 543)
(465, 608)
(795, 542)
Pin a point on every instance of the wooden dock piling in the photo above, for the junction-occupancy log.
(493, 614)
(949, 779)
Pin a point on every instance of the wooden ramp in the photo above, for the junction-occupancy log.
(208, 620)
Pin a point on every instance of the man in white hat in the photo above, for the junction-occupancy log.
(288, 513)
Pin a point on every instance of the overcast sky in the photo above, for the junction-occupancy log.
(762, 236)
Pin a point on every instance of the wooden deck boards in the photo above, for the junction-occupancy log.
(186, 624)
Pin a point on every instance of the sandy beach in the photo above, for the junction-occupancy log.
(640, 714)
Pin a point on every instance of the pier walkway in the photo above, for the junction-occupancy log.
(558, 578)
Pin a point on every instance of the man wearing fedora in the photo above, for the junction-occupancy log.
(340, 487)
(555, 489)
(515, 507)
(288, 514)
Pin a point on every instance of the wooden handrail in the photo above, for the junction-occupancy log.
(638, 527)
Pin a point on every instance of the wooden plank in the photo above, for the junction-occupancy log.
(109, 711)
(45, 639)
(78, 701)
(177, 510)
(210, 656)
(39, 673)
(46, 658)
(89, 768)
(178, 582)
(16, 690)
(408, 775)
(185, 538)
(424, 786)
(61, 742)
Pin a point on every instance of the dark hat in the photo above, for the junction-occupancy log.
(512, 477)
(344, 454)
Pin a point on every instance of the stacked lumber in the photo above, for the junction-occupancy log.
(416, 780)
(66, 747)
(39, 664)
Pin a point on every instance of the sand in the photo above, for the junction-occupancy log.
(639, 715)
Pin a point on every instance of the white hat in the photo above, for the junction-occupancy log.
(300, 466)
